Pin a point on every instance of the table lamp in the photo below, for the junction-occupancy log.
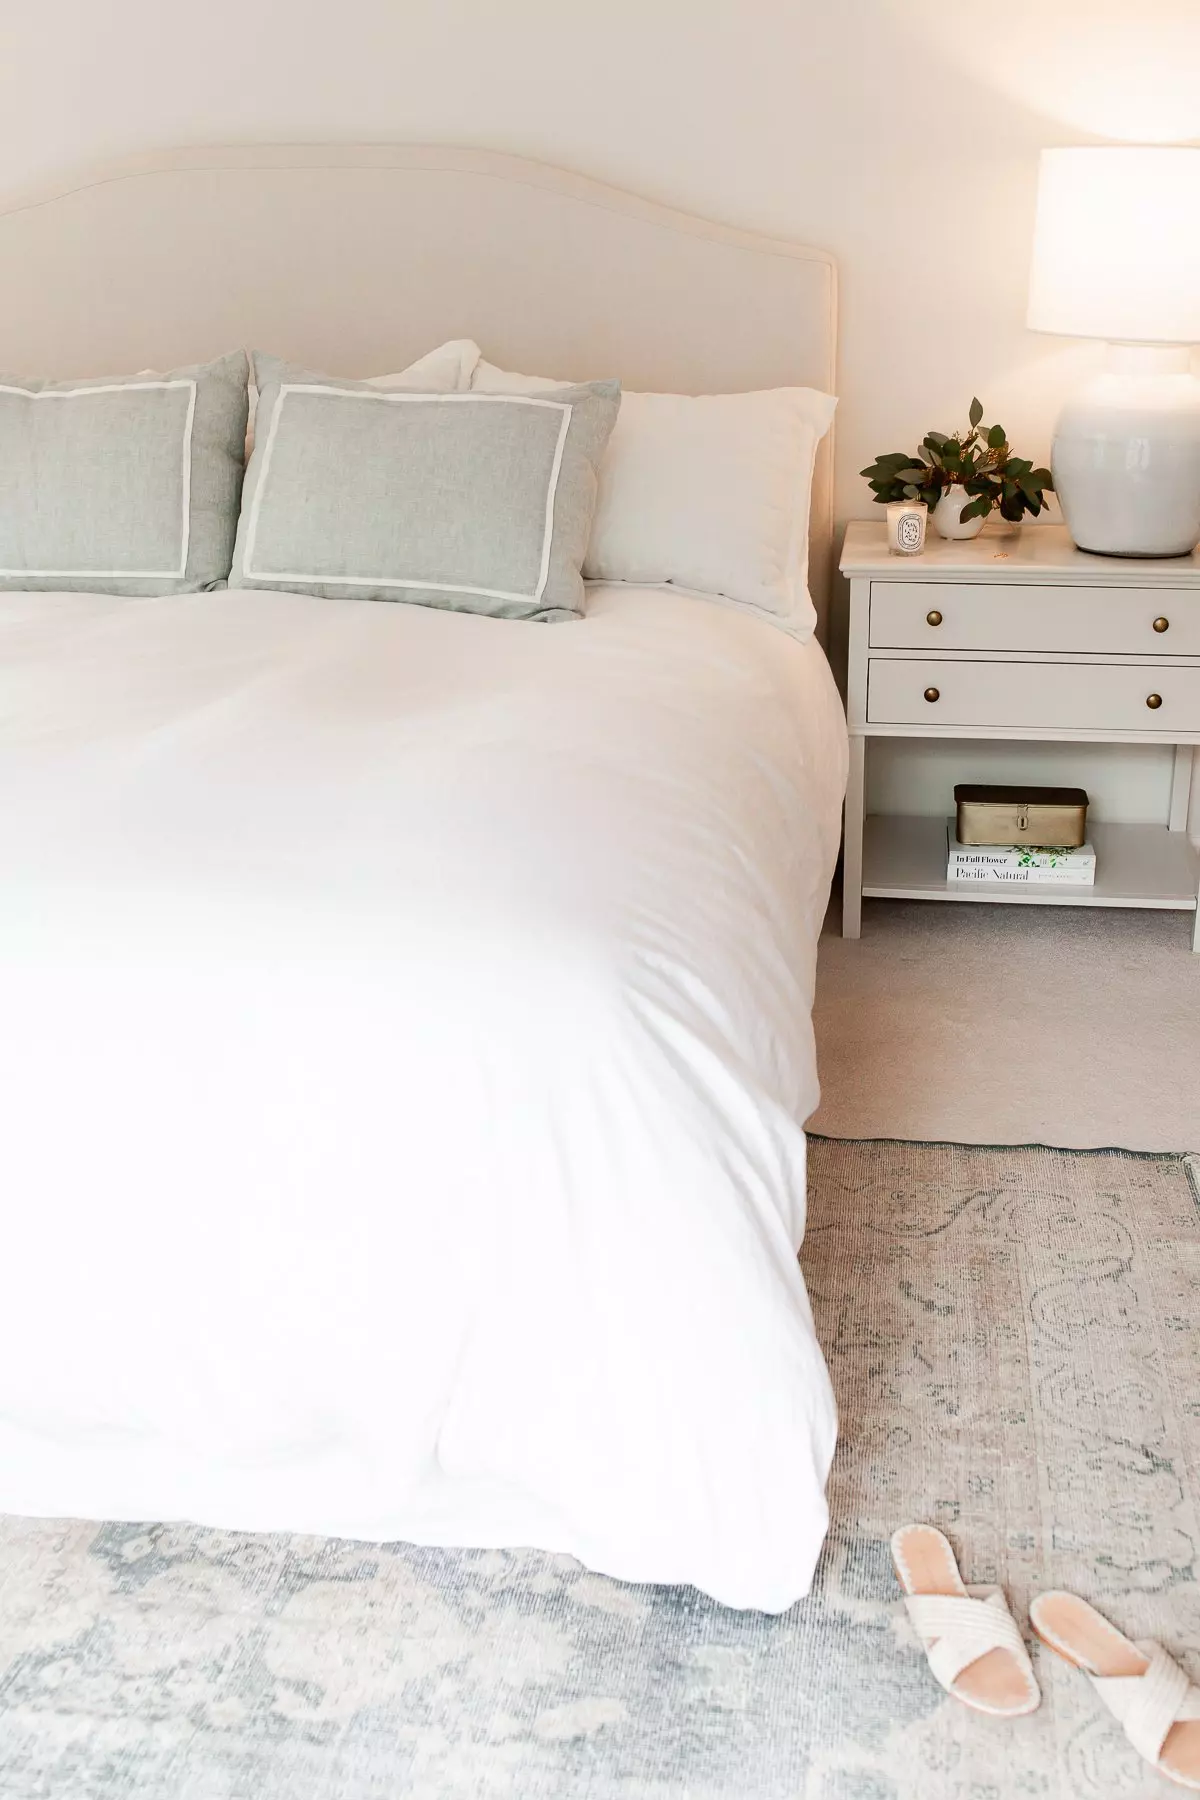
(1116, 255)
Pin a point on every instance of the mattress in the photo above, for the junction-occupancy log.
(405, 1044)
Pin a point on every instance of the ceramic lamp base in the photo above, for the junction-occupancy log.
(1126, 456)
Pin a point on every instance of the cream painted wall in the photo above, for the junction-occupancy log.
(902, 134)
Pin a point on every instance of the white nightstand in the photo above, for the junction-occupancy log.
(1021, 637)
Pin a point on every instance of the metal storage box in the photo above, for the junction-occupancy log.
(1021, 815)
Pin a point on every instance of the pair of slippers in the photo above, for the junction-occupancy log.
(977, 1653)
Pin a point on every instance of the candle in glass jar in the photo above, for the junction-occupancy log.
(906, 527)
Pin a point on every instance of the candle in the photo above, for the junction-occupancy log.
(906, 527)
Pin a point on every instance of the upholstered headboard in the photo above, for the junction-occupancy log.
(357, 259)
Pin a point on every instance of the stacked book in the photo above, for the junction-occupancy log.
(1018, 864)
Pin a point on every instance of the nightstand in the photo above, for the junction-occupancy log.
(1021, 636)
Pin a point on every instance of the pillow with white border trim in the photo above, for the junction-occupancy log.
(475, 502)
(448, 369)
(122, 484)
(706, 493)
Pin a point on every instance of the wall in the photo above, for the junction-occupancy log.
(901, 134)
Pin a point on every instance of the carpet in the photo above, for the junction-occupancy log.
(1012, 1336)
(1011, 1025)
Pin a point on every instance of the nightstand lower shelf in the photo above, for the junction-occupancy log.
(1136, 865)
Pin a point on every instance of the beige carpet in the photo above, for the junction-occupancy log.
(1010, 1025)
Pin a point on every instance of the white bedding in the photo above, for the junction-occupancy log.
(404, 1045)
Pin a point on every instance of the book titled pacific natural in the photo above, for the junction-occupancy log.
(1018, 864)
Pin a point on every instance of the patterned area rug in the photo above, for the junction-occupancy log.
(1014, 1339)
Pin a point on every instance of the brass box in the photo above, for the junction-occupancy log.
(1021, 815)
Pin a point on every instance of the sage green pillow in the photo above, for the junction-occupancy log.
(125, 485)
(476, 502)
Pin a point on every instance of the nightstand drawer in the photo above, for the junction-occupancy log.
(946, 615)
(1028, 696)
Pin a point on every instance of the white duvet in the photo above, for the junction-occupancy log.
(404, 1046)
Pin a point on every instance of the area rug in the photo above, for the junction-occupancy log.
(1013, 1337)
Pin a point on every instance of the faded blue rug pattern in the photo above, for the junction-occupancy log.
(1014, 1337)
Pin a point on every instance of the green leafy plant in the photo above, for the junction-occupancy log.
(981, 461)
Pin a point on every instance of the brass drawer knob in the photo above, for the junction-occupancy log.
(1154, 701)
(932, 694)
(935, 618)
(1162, 624)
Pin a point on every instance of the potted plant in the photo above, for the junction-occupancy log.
(962, 478)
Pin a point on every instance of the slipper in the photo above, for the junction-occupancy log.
(1143, 1687)
(972, 1641)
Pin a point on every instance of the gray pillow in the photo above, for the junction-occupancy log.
(122, 485)
(476, 502)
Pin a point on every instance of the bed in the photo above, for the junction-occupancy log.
(406, 1030)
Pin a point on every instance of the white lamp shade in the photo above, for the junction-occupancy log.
(1116, 250)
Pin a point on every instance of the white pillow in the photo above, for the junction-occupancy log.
(709, 494)
(446, 370)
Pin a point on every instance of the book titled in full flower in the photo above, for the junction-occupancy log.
(1018, 864)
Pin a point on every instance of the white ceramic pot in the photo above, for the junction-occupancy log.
(945, 515)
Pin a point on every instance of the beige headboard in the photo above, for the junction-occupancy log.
(357, 259)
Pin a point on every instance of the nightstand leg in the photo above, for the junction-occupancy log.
(852, 853)
(1181, 787)
(1181, 794)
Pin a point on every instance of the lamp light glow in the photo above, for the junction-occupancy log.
(1116, 248)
